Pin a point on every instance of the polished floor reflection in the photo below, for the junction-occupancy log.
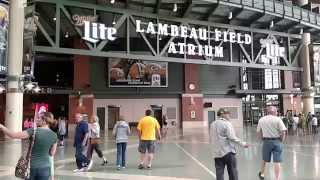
(180, 158)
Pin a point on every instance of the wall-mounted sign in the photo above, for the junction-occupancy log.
(272, 50)
(79, 20)
(137, 73)
(94, 32)
(193, 33)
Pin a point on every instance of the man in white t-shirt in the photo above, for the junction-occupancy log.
(314, 122)
(272, 130)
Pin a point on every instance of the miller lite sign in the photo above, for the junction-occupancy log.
(95, 32)
(273, 50)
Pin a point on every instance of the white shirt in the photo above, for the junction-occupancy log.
(314, 121)
(296, 119)
(223, 138)
(271, 126)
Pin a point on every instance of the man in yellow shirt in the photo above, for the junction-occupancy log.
(148, 127)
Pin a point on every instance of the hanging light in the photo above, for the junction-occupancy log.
(301, 31)
(66, 35)
(54, 18)
(112, 1)
(114, 20)
(271, 24)
(230, 16)
(175, 7)
(37, 89)
(29, 86)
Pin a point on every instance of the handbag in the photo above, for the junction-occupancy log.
(22, 169)
(95, 141)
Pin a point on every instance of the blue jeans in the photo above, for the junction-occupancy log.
(121, 154)
(81, 159)
(40, 173)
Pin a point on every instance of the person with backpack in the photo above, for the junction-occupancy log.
(61, 130)
(121, 131)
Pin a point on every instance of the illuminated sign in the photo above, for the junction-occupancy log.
(94, 32)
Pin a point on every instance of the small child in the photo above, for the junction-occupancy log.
(121, 131)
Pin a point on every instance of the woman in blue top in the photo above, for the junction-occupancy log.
(45, 145)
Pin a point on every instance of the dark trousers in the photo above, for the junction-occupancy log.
(81, 159)
(95, 147)
(40, 173)
(121, 154)
(230, 161)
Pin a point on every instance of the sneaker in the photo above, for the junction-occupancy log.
(118, 168)
(123, 167)
(105, 162)
(149, 167)
(90, 165)
(261, 176)
(79, 170)
(76, 170)
(140, 166)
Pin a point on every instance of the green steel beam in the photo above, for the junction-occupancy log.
(125, 55)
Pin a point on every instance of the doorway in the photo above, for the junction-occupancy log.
(113, 116)
(101, 113)
(157, 113)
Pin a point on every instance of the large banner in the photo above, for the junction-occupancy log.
(4, 22)
(137, 73)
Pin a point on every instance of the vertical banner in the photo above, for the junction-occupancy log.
(4, 22)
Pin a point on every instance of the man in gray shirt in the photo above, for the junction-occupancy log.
(224, 140)
(272, 131)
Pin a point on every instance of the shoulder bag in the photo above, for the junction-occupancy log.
(22, 169)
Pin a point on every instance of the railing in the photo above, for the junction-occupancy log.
(284, 9)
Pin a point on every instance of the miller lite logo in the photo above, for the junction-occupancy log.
(95, 32)
(273, 50)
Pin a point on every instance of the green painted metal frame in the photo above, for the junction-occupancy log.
(157, 55)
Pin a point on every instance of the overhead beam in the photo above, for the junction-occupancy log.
(289, 26)
(187, 9)
(210, 12)
(157, 7)
(159, 58)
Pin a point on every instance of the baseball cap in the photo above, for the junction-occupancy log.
(222, 111)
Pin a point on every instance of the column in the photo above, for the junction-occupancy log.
(14, 97)
(308, 94)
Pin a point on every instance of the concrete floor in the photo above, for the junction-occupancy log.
(179, 159)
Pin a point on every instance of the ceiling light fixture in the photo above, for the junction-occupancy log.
(114, 20)
(271, 24)
(175, 7)
(230, 16)
(54, 18)
(301, 31)
(66, 35)
(37, 89)
(29, 86)
(112, 1)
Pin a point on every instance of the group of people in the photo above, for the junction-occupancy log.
(301, 124)
(271, 130)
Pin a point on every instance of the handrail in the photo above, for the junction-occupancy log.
(284, 9)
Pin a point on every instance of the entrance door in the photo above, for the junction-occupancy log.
(113, 116)
(101, 113)
(157, 113)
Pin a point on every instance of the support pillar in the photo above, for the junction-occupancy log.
(14, 96)
(307, 90)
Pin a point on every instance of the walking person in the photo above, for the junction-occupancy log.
(295, 124)
(94, 135)
(272, 130)
(223, 138)
(314, 124)
(148, 127)
(62, 130)
(81, 142)
(121, 131)
(45, 145)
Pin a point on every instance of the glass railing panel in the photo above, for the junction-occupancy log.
(312, 17)
(269, 5)
(296, 12)
(258, 4)
(305, 15)
(288, 11)
(279, 7)
(247, 2)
